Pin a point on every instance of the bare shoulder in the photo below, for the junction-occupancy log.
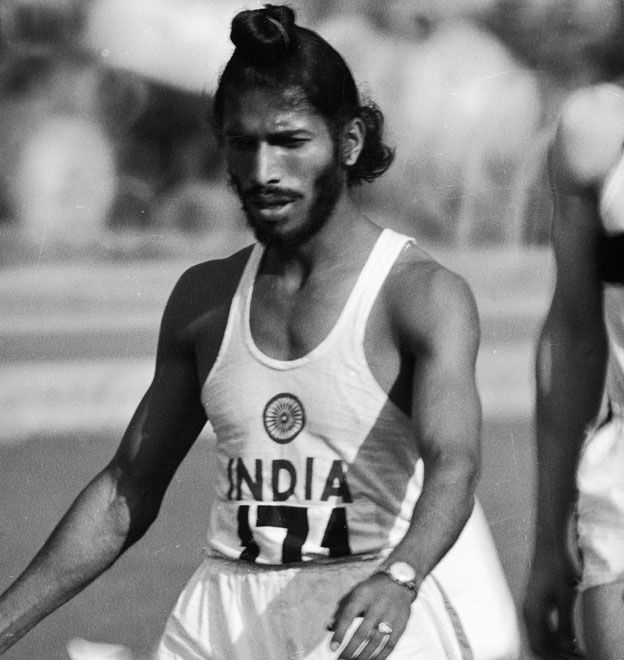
(426, 297)
(589, 137)
(210, 280)
(202, 291)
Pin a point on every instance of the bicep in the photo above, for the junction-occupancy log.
(446, 409)
(580, 157)
(163, 428)
(576, 233)
(170, 416)
(572, 344)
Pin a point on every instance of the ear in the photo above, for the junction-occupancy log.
(352, 141)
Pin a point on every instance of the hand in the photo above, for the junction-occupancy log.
(549, 606)
(377, 599)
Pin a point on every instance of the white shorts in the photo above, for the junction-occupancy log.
(600, 507)
(232, 610)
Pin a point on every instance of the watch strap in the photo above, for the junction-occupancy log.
(409, 584)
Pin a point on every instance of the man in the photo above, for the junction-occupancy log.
(335, 362)
(580, 388)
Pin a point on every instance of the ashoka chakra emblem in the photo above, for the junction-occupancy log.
(283, 418)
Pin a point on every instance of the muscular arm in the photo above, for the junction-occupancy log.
(439, 326)
(570, 365)
(119, 504)
(446, 414)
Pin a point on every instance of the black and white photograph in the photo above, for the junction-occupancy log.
(311, 330)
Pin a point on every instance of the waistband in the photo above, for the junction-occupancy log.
(219, 563)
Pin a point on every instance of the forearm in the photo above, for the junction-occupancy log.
(441, 512)
(570, 380)
(89, 538)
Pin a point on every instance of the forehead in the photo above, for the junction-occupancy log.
(259, 110)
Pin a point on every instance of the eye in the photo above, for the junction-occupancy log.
(294, 143)
(290, 141)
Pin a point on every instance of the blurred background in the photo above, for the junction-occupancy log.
(111, 184)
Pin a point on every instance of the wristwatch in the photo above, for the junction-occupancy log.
(401, 573)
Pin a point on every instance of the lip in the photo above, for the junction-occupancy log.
(271, 205)
(270, 200)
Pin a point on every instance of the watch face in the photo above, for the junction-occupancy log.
(402, 571)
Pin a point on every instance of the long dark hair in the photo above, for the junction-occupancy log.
(273, 52)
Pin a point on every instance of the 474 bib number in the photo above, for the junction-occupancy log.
(295, 520)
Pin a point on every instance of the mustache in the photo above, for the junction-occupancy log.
(270, 191)
(258, 190)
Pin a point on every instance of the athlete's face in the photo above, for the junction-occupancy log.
(283, 163)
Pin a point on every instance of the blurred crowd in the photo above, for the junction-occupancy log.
(105, 131)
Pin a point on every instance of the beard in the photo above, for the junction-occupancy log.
(327, 189)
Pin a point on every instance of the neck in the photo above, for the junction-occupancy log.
(345, 235)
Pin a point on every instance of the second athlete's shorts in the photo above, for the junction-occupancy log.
(600, 507)
(233, 610)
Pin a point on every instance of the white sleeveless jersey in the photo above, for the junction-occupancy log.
(313, 459)
(612, 216)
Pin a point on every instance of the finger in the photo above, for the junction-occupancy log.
(381, 644)
(386, 631)
(561, 634)
(550, 629)
(357, 653)
(380, 648)
(561, 638)
(336, 643)
(357, 646)
(398, 621)
(349, 609)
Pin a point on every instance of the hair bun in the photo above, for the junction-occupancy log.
(264, 34)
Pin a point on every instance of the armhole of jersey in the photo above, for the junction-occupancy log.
(367, 302)
(234, 313)
(363, 312)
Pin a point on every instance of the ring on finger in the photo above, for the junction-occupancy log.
(384, 628)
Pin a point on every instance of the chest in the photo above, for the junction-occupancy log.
(288, 322)
(289, 325)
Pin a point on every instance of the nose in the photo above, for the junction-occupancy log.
(265, 166)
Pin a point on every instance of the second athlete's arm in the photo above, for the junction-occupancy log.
(570, 371)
